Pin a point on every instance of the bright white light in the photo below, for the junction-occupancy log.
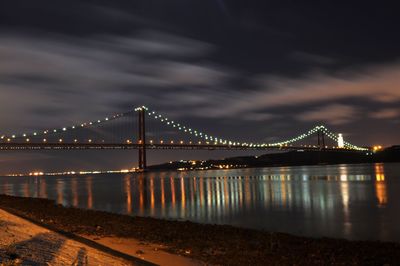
(340, 141)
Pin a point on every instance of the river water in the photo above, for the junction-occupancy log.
(342, 201)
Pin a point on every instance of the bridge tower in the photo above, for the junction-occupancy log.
(142, 139)
(321, 139)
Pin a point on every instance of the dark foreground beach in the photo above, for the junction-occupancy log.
(211, 244)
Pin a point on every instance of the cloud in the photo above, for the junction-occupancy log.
(257, 116)
(311, 58)
(335, 114)
(79, 79)
(376, 83)
(188, 74)
(82, 78)
(389, 113)
(155, 43)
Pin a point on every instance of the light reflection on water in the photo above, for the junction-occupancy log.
(346, 201)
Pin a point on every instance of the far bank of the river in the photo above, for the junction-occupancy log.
(289, 158)
(213, 244)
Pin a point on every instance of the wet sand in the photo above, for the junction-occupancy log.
(24, 243)
(210, 244)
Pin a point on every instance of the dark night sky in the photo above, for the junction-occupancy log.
(223, 66)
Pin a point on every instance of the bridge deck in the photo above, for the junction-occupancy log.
(126, 146)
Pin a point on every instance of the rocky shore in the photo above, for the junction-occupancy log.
(211, 244)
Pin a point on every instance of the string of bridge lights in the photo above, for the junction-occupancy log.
(217, 140)
(43, 133)
(334, 137)
(180, 127)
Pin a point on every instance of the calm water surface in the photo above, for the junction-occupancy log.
(344, 201)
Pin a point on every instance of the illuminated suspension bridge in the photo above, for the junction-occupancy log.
(131, 130)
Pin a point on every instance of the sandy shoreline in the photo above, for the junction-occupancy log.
(210, 244)
(25, 243)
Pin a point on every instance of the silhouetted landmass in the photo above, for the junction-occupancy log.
(291, 158)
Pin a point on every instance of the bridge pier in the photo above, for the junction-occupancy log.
(142, 139)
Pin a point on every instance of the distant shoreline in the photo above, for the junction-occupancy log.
(212, 244)
(291, 158)
(284, 159)
(175, 170)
